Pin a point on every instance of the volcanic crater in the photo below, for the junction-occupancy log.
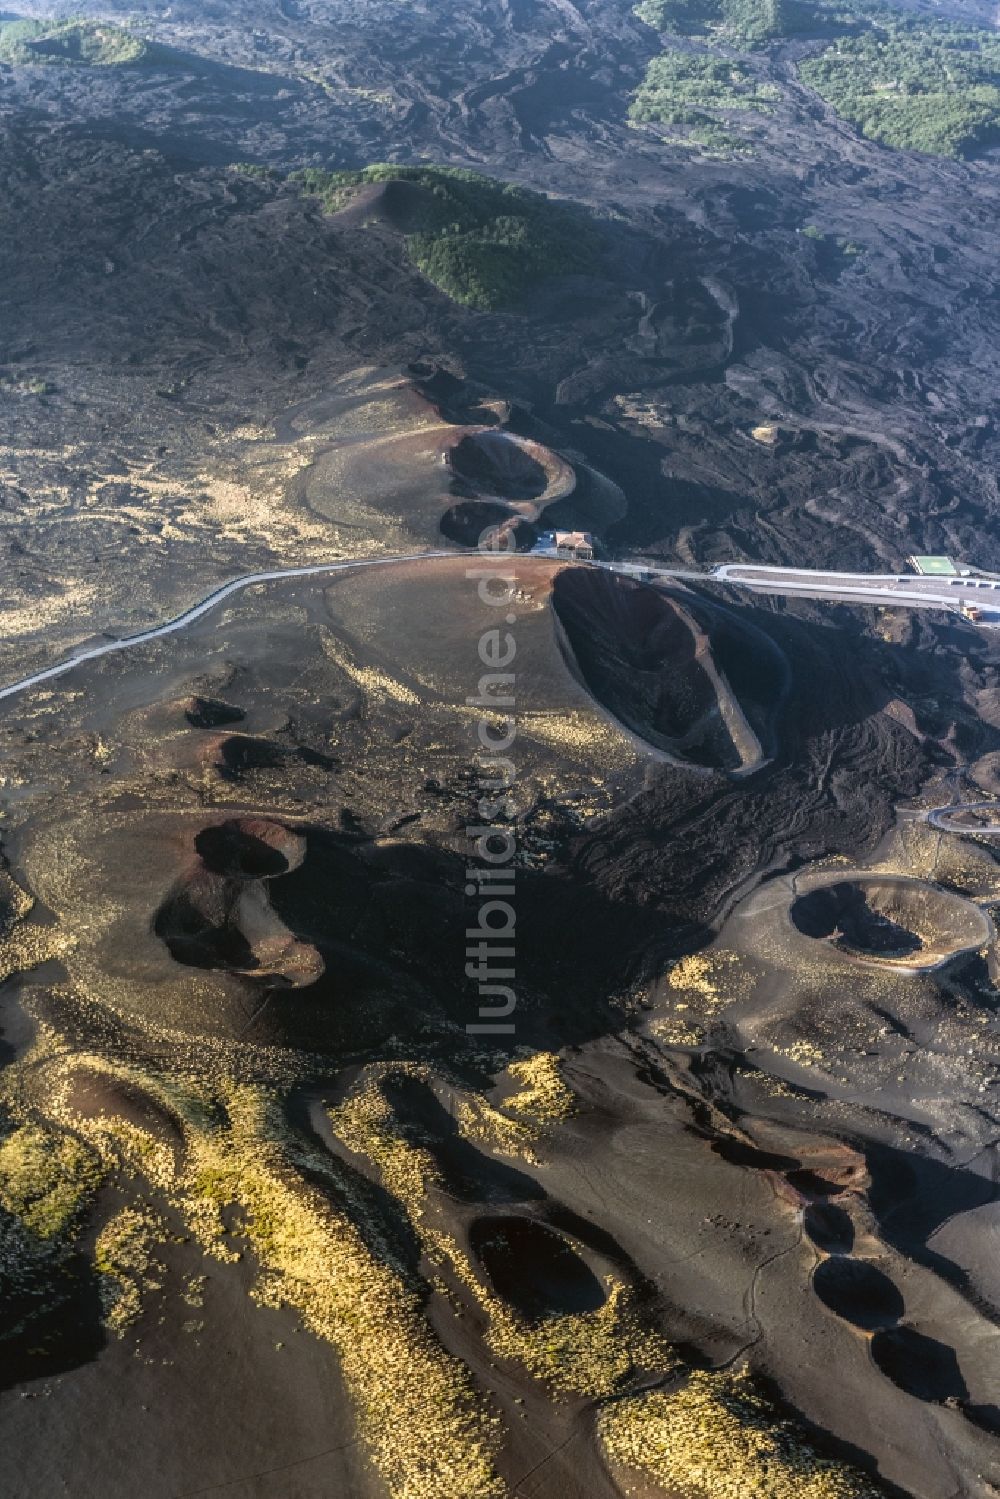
(493, 462)
(220, 915)
(885, 918)
(685, 675)
(859, 1292)
(174, 315)
(534, 1268)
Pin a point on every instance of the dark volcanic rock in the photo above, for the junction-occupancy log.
(249, 841)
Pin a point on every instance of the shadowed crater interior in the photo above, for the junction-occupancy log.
(211, 713)
(858, 1292)
(496, 463)
(465, 522)
(829, 1227)
(533, 1268)
(901, 919)
(254, 847)
(240, 755)
(683, 674)
(921, 1366)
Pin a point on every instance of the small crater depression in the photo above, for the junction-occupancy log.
(198, 924)
(211, 713)
(923, 1367)
(466, 523)
(250, 848)
(497, 463)
(241, 755)
(858, 1292)
(907, 922)
(534, 1269)
(829, 1227)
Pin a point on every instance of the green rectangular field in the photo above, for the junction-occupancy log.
(935, 566)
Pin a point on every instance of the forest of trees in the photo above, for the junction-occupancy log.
(699, 91)
(484, 243)
(742, 22)
(906, 80)
(915, 84)
(70, 41)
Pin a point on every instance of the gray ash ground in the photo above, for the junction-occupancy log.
(244, 842)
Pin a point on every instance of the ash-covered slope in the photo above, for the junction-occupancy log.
(869, 369)
(719, 1215)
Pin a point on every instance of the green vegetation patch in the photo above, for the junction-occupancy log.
(256, 170)
(719, 1434)
(484, 243)
(92, 43)
(741, 22)
(46, 1179)
(699, 92)
(25, 385)
(913, 84)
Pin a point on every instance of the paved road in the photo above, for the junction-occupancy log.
(890, 588)
(907, 589)
(181, 621)
(197, 611)
(941, 817)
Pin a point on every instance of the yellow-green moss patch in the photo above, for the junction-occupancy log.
(46, 1179)
(717, 1437)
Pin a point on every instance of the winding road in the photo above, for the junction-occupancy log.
(181, 621)
(907, 590)
(941, 817)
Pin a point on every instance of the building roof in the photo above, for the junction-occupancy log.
(934, 566)
(574, 539)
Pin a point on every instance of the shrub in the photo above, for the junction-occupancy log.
(93, 43)
(484, 243)
(916, 84)
(698, 91)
